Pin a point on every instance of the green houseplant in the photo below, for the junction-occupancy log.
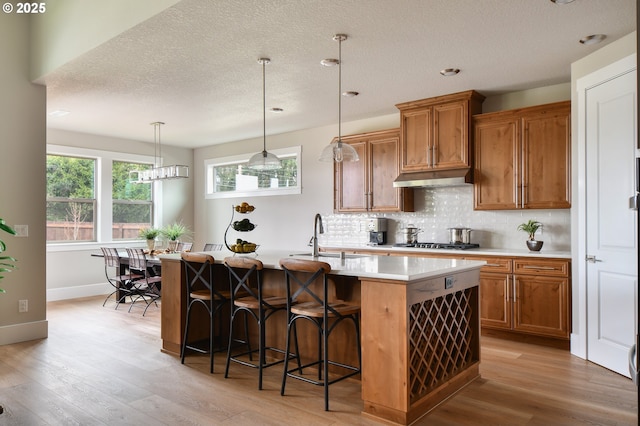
(149, 234)
(531, 227)
(173, 232)
(5, 261)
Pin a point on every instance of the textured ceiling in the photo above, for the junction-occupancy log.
(194, 66)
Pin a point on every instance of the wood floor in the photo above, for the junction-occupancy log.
(100, 366)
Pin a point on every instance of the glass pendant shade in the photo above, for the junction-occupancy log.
(338, 152)
(264, 160)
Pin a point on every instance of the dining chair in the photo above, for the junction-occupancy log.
(212, 247)
(180, 247)
(307, 290)
(146, 288)
(248, 298)
(201, 291)
(121, 279)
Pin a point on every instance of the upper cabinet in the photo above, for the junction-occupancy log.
(367, 185)
(435, 133)
(523, 158)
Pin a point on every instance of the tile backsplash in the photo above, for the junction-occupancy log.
(440, 208)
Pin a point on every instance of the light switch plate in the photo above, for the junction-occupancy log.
(21, 230)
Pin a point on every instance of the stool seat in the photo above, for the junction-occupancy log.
(253, 303)
(312, 309)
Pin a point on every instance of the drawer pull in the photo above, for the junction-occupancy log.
(544, 268)
(493, 264)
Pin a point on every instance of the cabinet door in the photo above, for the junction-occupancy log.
(497, 148)
(546, 159)
(541, 305)
(384, 167)
(417, 138)
(351, 181)
(495, 301)
(450, 149)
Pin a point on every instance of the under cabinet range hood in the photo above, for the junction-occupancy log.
(435, 178)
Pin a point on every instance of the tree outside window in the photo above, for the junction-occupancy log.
(71, 203)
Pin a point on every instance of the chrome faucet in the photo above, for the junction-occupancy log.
(317, 220)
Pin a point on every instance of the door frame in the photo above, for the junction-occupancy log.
(579, 265)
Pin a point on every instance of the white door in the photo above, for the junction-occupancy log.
(611, 234)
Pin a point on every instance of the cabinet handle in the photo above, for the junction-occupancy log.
(514, 289)
(428, 156)
(433, 156)
(544, 268)
(492, 264)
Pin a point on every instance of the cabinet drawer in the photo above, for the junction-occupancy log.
(559, 268)
(494, 264)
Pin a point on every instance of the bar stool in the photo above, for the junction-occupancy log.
(200, 288)
(303, 302)
(251, 300)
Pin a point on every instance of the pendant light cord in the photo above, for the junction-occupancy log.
(264, 111)
(340, 91)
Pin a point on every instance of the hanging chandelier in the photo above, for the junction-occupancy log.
(336, 150)
(264, 160)
(158, 171)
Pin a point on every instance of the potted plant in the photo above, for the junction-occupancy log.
(149, 234)
(5, 265)
(531, 227)
(173, 232)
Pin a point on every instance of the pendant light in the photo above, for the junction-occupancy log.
(336, 150)
(158, 172)
(264, 160)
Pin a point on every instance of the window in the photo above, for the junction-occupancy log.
(229, 177)
(132, 202)
(91, 200)
(71, 202)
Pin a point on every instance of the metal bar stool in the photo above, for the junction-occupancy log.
(301, 275)
(250, 300)
(200, 289)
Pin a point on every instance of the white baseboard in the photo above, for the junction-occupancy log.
(23, 332)
(75, 292)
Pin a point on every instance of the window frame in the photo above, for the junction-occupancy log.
(103, 194)
(211, 163)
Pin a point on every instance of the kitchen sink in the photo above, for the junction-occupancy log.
(334, 255)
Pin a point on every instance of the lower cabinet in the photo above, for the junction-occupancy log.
(526, 295)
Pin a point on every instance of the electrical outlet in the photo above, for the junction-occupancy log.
(448, 282)
(23, 305)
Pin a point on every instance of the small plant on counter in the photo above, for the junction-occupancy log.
(5, 265)
(174, 231)
(531, 227)
(149, 233)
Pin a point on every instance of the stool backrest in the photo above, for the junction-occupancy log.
(199, 274)
(241, 270)
(296, 270)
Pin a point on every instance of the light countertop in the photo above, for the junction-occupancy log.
(401, 268)
(477, 252)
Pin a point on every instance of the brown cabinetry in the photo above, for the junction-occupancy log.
(435, 133)
(523, 158)
(367, 185)
(534, 299)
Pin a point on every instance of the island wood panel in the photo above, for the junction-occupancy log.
(174, 308)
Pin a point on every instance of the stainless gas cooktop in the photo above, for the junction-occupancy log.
(454, 246)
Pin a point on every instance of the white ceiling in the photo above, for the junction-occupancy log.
(194, 66)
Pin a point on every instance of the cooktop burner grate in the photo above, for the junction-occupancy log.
(454, 246)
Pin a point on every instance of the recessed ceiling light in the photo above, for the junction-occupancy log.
(329, 62)
(350, 94)
(562, 1)
(276, 110)
(447, 72)
(593, 39)
(58, 113)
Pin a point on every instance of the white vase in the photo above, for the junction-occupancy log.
(151, 244)
(172, 245)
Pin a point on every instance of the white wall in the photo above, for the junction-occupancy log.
(22, 175)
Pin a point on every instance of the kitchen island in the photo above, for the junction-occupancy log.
(419, 321)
